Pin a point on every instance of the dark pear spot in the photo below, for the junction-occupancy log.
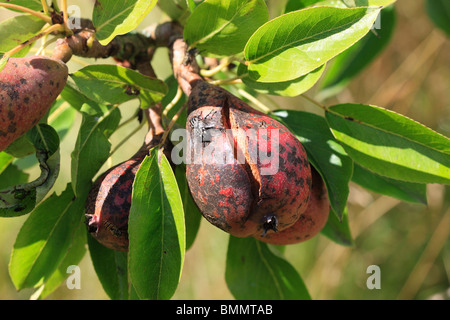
(12, 128)
(11, 115)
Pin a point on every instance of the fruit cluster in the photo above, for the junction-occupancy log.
(247, 173)
(235, 189)
(238, 187)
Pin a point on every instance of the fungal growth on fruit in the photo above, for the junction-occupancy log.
(247, 172)
(28, 87)
(109, 200)
(311, 222)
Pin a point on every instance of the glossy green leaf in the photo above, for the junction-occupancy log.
(44, 239)
(301, 4)
(403, 190)
(112, 17)
(5, 161)
(11, 176)
(223, 26)
(367, 3)
(21, 199)
(175, 9)
(16, 30)
(355, 59)
(21, 147)
(254, 272)
(439, 13)
(338, 230)
(61, 117)
(294, 5)
(191, 4)
(192, 215)
(30, 4)
(111, 269)
(73, 95)
(73, 257)
(156, 230)
(324, 153)
(92, 148)
(390, 144)
(110, 84)
(299, 42)
(44, 137)
(290, 88)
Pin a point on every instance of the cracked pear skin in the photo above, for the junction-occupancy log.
(235, 186)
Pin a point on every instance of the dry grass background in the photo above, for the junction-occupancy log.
(409, 242)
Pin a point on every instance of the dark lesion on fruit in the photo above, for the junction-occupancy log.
(13, 94)
(270, 223)
(12, 128)
(113, 229)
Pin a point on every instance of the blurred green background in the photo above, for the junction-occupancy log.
(409, 242)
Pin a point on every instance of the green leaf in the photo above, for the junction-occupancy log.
(110, 84)
(293, 5)
(12, 176)
(112, 17)
(156, 229)
(223, 27)
(324, 153)
(355, 59)
(338, 230)
(292, 44)
(192, 215)
(289, 88)
(92, 148)
(61, 117)
(439, 13)
(193, 4)
(44, 238)
(21, 199)
(16, 30)
(21, 147)
(111, 269)
(406, 191)
(44, 137)
(30, 4)
(5, 161)
(175, 9)
(74, 255)
(72, 95)
(368, 3)
(254, 272)
(390, 144)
